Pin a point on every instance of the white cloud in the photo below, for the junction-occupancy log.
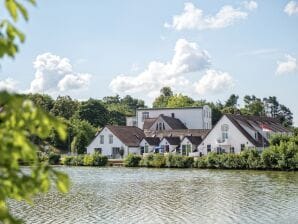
(54, 73)
(291, 8)
(188, 58)
(194, 18)
(250, 5)
(213, 82)
(74, 82)
(287, 66)
(8, 84)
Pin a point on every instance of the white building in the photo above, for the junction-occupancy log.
(189, 144)
(191, 117)
(169, 145)
(117, 141)
(233, 133)
(149, 144)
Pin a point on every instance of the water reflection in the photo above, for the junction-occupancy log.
(122, 195)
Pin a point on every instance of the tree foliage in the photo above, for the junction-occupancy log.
(19, 119)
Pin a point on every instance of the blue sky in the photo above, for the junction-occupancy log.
(206, 49)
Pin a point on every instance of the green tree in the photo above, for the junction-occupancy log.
(84, 132)
(20, 119)
(94, 112)
(163, 98)
(232, 101)
(179, 100)
(65, 107)
(276, 110)
(253, 106)
(43, 101)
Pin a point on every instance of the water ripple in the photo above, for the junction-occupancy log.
(122, 195)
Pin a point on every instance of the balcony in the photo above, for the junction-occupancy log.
(223, 142)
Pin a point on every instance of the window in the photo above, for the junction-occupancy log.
(188, 149)
(242, 146)
(160, 126)
(224, 131)
(156, 126)
(146, 148)
(173, 115)
(232, 150)
(163, 126)
(110, 139)
(102, 138)
(208, 148)
(145, 115)
(183, 150)
(115, 151)
(98, 150)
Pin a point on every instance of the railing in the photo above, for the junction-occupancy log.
(194, 154)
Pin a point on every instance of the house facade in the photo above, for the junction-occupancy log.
(149, 144)
(189, 144)
(191, 117)
(234, 133)
(117, 141)
(169, 145)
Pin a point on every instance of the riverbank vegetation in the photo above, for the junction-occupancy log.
(281, 155)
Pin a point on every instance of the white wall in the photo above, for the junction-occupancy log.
(185, 141)
(235, 138)
(150, 147)
(164, 142)
(106, 147)
(131, 121)
(191, 117)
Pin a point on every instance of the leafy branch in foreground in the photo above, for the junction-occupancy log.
(10, 35)
(19, 119)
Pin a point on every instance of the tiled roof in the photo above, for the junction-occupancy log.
(195, 140)
(178, 133)
(173, 140)
(174, 123)
(129, 135)
(152, 140)
(148, 122)
(169, 108)
(255, 123)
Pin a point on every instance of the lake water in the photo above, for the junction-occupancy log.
(142, 195)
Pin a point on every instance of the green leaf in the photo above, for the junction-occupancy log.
(23, 11)
(62, 182)
(12, 9)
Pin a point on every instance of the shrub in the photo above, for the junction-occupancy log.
(158, 160)
(179, 161)
(147, 161)
(99, 160)
(88, 160)
(54, 158)
(154, 160)
(132, 160)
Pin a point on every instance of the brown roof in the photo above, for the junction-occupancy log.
(178, 133)
(174, 123)
(169, 108)
(195, 140)
(148, 122)
(254, 122)
(129, 135)
(152, 140)
(173, 140)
